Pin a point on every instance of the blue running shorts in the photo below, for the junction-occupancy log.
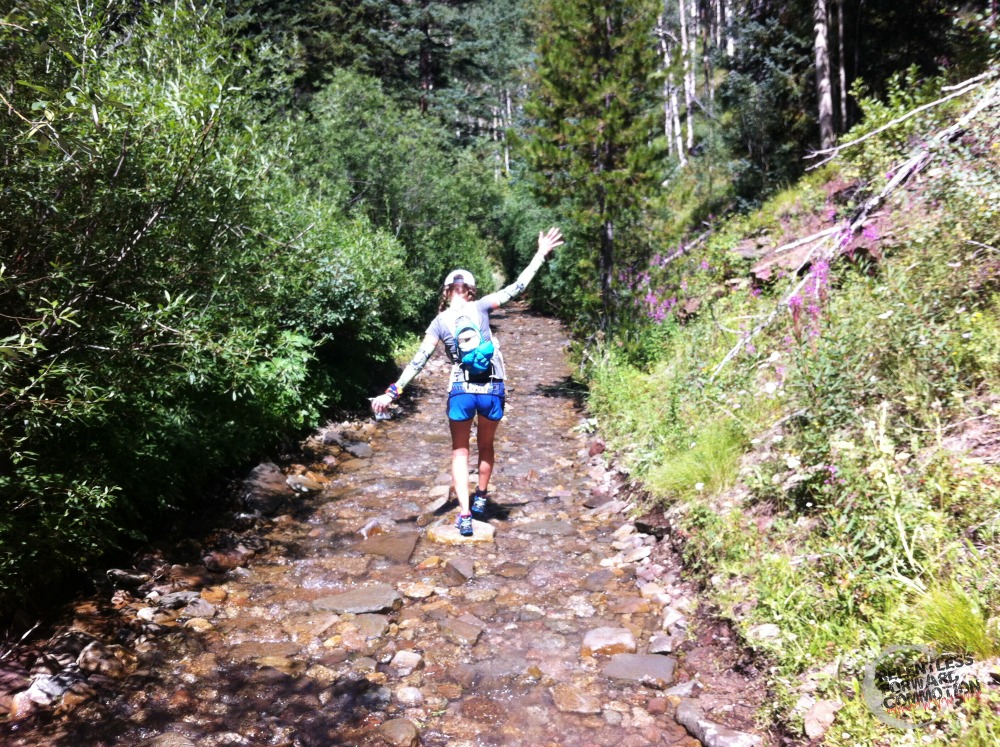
(466, 399)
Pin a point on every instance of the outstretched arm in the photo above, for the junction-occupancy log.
(423, 354)
(547, 241)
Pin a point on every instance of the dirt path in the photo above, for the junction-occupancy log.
(340, 621)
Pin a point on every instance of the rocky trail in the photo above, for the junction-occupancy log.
(340, 609)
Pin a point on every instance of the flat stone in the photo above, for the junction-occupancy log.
(820, 717)
(510, 569)
(569, 699)
(199, 608)
(765, 632)
(417, 590)
(598, 580)
(608, 641)
(628, 606)
(447, 534)
(665, 644)
(375, 598)
(691, 717)
(460, 569)
(371, 626)
(651, 670)
(552, 528)
(400, 732)
(488, 674)
(405, 662)
(397, 547)
(460, 632)
(168, 740)
(264, 650)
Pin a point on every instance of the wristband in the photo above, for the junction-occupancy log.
(393, 391)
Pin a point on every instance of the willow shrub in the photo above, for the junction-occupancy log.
(165, 284)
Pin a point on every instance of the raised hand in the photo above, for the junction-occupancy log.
(549, 240)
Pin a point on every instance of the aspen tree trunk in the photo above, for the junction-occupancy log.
(842, 66)
(720, 21)
(675, 105)
(823, 88)
(707, 42)
(507, 123)
(686, 59)
(727, 19)
(668, 84)
(693, 53)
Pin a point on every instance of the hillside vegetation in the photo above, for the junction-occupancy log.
(819, 421)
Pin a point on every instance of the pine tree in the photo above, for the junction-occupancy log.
(594, 119)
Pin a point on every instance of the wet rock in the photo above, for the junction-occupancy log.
(371, 626)
(608, 641)
(178, 599)
(409, 697)
(405, 662)
(691, 717)
(447, 533)
(596, 499)
(303, 484)
(460, 632)
(570, 699)
(375, 598)
(259, 650)
(673, 618)
(553, 528)
(637, 554)
(491, 673)
(221, 561)
(483, 710)
(651, 670)
(199, 625)
(214, 594)
(199, 608)
(359, 450)
(597, 446)
(265, 490)
(460, 569)
(13, 679)
(598, 580)
(509, 569)
(125, 579)
(628, 606)
(168, 740)
(398, 547)
(400, 732)
(111, 661)
(666, 644)
(684, 690)
(416, 590)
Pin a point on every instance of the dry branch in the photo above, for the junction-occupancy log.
(908, 168)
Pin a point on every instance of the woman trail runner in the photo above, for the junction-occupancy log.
(476, 383)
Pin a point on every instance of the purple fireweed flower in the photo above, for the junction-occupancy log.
(870, 233)
(684, 285)
(705, 265)
(750, 348)
(831, 215)
(795, 306)
(755, 292)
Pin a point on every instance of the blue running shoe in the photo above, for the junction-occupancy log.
(479, 504)
(464, 525)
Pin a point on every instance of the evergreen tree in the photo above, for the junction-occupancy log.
(593, 122)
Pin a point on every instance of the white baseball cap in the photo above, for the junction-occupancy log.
(460, 276)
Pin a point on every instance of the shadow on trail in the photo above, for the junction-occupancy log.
(567, 388)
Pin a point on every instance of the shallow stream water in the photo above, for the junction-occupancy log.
(500, 660)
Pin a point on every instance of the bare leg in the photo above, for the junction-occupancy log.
(485, 431)
(460, 432)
